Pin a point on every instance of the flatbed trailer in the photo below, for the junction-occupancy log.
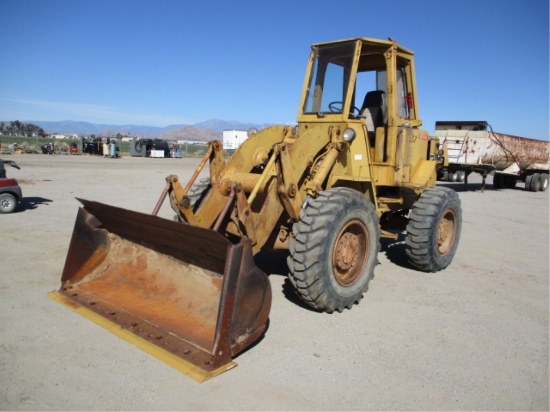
(472, 146)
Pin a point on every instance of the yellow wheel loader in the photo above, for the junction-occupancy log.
(357, 167)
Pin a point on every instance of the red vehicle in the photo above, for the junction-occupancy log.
(10, 192)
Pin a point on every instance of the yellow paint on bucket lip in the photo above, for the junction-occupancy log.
(168, 358)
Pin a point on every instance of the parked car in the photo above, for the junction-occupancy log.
(10, 191)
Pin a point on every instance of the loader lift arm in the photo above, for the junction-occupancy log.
(270, 182)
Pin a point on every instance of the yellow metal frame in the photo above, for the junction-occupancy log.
(277, 169)
(168, 358)
(260, 191)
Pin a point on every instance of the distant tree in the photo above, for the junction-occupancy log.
(29, 129)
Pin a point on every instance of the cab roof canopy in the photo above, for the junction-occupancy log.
(372, 51)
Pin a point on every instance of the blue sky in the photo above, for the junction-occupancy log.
(171, 62)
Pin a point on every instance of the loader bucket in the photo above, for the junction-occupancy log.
(185, 294)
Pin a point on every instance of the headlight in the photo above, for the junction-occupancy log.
(251, 131)
(349, 134)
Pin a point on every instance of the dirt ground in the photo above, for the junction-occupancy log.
(472, 337)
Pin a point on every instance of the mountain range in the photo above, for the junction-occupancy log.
(206, 130)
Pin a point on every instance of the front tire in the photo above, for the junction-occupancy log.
(433, 231)
(334, 249)
(8, 203)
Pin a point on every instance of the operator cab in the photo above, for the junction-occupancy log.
(351, 76)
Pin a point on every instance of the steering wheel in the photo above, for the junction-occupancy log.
(337, 106)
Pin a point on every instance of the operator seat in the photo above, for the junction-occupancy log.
(375, 110)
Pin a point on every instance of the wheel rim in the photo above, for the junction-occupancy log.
(5, 204)
(350, 253)
(446, 232)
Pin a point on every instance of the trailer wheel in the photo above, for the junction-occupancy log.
(528, 182)
(334, 249)
(8, 203)
(543, 182)
(535, 185)
(433, 231)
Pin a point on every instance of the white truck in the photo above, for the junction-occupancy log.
(232, 139)
(472, 146)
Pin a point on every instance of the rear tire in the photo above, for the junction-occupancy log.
(543, 182)
(8, 203)
(433, 231)
(334, 249)
(528, 182)
(535, 185)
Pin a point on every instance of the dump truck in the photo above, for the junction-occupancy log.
(357, 167)
(473, 146)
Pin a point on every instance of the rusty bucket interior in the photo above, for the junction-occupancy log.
(185, 294)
